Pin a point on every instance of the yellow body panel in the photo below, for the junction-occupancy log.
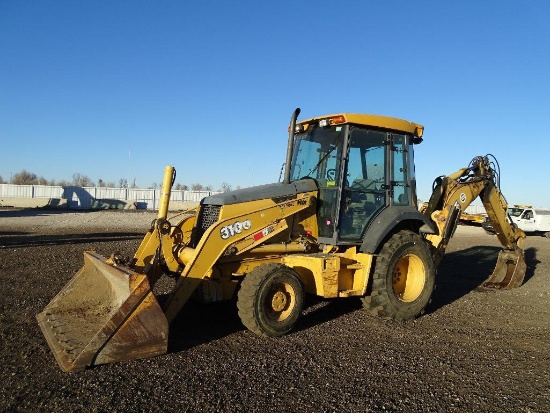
(333, 275)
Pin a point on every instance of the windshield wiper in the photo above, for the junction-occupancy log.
(321, 160)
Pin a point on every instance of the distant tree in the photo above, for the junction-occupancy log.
(64, 182)
(154, 185)
(208, 188)
(180, 187)
(123, 183)
(238, 187)
(82, 180)
(43, 181)
(24, 178)
(134, 183)
(197, 187)
(110, 184)
(101, 183)
(1, 179)
(225, 187)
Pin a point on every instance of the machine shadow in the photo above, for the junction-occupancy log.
(459, 274)
(464, 271)
(210, 322)
(38, 212)
(322, 310)
(21, 239)
(199, 324)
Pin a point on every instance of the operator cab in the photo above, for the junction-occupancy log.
(362, 164)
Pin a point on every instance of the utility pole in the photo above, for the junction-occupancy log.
(129, 164)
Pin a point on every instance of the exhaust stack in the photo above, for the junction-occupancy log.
(290, 146)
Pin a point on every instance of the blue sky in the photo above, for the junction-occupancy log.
(120, 89)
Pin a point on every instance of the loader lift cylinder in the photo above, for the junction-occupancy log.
(167, 182)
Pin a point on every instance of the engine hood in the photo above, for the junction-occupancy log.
(255, 193)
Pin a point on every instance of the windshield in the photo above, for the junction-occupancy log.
(515, 212)
(317, 153)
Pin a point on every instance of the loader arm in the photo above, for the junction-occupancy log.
(453, 194)
(165, 248)
(263, 223)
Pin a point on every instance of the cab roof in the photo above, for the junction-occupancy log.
(378, 121)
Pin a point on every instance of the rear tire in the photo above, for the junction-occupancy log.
(270, 300)
(403, 278)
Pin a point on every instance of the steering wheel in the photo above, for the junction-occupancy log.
(378, 185)
(331, 174)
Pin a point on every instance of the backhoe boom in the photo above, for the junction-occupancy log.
(453, 193)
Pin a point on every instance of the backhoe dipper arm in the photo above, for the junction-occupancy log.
(509, 235)
(452, 194)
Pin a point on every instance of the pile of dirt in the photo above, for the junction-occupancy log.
(472, 351)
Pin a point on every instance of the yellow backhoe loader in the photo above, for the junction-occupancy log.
(343, 223)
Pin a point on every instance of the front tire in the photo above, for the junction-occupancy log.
(403, 278)
(270, 300)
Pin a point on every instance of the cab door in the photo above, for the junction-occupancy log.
(363, 193)
(400, 190)
(527, 221)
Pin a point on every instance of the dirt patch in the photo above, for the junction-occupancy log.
(472, 351)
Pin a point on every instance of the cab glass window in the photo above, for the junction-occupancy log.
(317, 153)
(400, 170)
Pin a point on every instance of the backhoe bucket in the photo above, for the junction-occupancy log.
(103, 315)
(509, 271)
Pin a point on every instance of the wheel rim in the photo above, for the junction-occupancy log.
(280, 301)
(409, 278)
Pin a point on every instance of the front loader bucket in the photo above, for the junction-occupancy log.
(103, 315)
(509, 271)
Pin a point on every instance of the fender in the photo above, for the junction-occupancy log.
(387, 220)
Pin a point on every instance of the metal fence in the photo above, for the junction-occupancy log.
(88, 197)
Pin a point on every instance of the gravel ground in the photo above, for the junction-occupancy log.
(471, 352)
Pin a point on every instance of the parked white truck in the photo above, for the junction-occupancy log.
(529, 219)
